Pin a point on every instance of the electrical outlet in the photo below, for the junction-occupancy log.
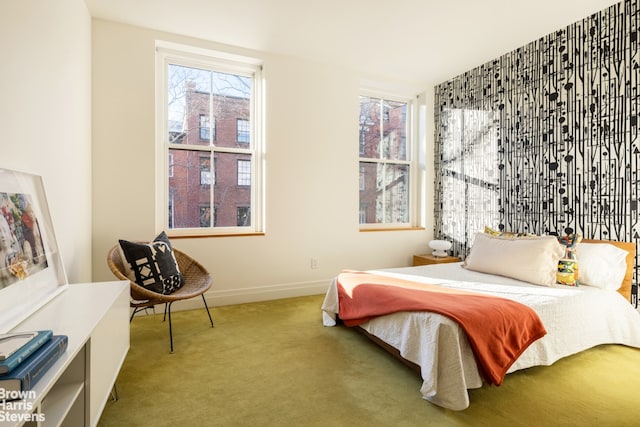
(314, 262)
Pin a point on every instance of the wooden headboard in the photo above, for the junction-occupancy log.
(630, 247)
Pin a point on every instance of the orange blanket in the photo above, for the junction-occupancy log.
(497, 329)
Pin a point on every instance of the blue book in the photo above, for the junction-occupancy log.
(27, 374)
(36, 340)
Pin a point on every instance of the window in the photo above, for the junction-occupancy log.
(205, 216)
(243, 131)
(205, 128)
(209, 157)
(205, 170)
(244, 172)
(386, 164)
(363, 214)
(244, 216)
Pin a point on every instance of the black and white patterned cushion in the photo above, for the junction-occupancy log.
(153, 265)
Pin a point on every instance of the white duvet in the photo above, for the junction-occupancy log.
(576, 318)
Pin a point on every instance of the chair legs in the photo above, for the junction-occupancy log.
(137, 310)
(167, 308)
(207, 307)
(167, 312)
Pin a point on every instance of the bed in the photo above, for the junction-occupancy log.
(576, 318)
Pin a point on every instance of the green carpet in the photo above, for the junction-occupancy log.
(274, 364)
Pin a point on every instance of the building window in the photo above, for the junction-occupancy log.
(244, 216)
(205, 171)
(362, 214)
(385, 161)
(244, 172)
(205, 216)
(205, 166)
(243, 130)
(205, 128)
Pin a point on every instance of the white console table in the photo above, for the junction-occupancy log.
(95, 317)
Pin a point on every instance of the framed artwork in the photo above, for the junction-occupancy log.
(31, 268)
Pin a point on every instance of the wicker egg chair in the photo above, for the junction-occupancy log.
(197, 281)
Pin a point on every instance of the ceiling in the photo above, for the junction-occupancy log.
(413, 41)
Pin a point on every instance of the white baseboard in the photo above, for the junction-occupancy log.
(216, 298)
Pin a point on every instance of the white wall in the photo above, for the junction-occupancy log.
(45, 112)
(311, 176)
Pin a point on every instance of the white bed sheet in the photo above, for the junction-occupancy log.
(576, 319)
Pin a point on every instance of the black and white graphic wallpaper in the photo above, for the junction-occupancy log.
(545, 138)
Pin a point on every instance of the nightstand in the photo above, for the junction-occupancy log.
(430, 259)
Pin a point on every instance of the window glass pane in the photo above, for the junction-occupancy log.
(383, 129)
(230, 101)
(394, 130)
(187, 97)
(189, 188)
(195, 96)
(186, 190)
(393, 190)
(369, 127)
(368, 192)
(228, 194)
(385, 198)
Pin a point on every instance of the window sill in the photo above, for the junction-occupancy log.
(366, 230)
(200, 236)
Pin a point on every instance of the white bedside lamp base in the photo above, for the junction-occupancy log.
(440, 248)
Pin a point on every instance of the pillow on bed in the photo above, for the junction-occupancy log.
(494, 232)
(601, 265)
(568, 264)
(530, 259)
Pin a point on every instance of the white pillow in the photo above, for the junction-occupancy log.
(530, 259)
(601, 265)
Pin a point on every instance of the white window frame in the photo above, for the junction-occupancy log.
(413, 153)
(172, 53)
